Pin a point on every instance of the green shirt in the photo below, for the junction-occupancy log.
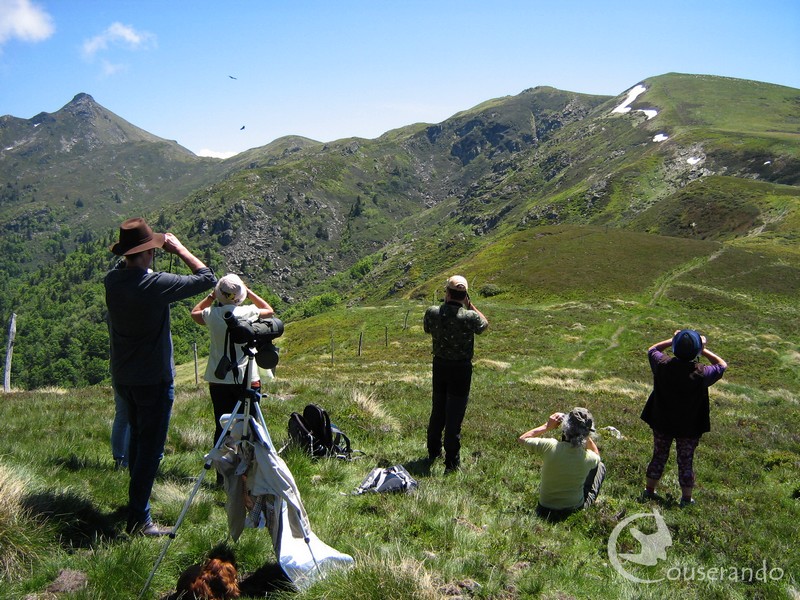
(564, 472)
(453, 328)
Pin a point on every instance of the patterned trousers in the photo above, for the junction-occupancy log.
(684, 447)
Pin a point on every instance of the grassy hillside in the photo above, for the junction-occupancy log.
(299, 212)
(697, 100)
(571, 317)
(363, 221)
(707, 180)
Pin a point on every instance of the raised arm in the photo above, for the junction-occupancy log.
(553, 422)
(590, 445)
(663, 344)
(714, 359)
(265, 310)
(174, 246)
(471, 306)
(197, 311)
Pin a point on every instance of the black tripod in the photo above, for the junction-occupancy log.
(248, 405)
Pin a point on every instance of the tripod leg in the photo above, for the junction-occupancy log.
(189, 500)
(260, 417)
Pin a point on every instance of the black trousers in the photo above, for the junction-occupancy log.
(451, 383)
(224, 397)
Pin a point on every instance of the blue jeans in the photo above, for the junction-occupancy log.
(120, 431)
(149, 411)
(452, 380)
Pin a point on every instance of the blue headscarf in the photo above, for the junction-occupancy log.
(687, 344)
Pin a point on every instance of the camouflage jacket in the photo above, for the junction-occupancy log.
(453, 328)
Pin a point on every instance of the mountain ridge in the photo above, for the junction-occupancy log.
(356, 221)
(344, 199)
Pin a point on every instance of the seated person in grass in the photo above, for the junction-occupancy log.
(572, 472)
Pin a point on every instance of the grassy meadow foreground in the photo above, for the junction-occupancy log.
(559, 337)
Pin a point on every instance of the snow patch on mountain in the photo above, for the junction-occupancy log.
(634, 93)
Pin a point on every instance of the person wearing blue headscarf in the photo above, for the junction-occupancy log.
(678, 407)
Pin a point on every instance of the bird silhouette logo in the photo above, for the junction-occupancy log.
(653, 546)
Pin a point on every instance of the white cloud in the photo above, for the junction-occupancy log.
(215, 154)
(110, 68)
(24, 20)
(118, 34)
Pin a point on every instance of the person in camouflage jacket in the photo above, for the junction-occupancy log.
(452, 326)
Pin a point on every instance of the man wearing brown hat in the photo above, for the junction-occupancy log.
(452, 326)
(142, 366)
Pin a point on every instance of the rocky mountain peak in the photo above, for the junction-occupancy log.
(83, 107)
(82, 98)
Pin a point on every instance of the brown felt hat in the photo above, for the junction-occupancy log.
(135, 236)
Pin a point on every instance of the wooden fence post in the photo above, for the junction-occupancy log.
(360, 341)
(12, 333)
(196, 376)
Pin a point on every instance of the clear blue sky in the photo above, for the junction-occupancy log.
(328, 69)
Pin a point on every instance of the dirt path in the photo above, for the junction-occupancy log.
(663, 285)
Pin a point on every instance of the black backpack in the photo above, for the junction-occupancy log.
(314, 432)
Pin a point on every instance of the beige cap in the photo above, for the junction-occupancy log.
(230, 289)
(458, 283)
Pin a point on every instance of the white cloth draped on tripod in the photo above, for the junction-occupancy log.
(261, 492)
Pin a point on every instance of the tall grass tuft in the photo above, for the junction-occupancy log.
(23, 540)
(368, 402)
(385, 573)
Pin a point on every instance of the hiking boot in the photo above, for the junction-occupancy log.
(648, 495)
(686, 502)
(149, 529)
